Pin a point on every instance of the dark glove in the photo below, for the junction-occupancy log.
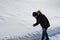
(34, 25)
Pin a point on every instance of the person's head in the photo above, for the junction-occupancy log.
(35, 14)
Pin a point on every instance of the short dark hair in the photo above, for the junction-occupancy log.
(34, 13)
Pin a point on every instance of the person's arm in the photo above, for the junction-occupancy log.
(36, 23)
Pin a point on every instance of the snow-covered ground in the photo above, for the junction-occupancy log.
(16, 19)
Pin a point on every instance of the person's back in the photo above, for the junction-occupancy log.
(43, 20)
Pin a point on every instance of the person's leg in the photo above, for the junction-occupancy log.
(43, 33)
(47, 38)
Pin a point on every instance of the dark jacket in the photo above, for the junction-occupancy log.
(42, 20)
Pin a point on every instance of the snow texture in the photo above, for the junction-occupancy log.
(16, 19)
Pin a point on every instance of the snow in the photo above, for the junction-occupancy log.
(16, 19)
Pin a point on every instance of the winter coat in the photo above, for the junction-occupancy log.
(42, 20)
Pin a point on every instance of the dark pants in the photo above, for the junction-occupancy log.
(44, 34)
